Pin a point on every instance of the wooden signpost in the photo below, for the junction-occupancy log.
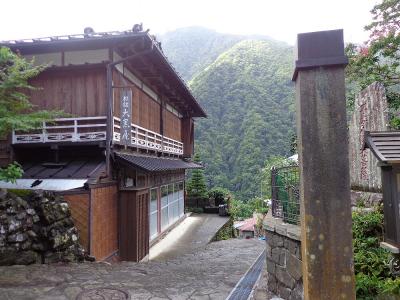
(324, 166)
(126, 116)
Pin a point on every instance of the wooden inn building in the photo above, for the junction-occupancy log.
(119, 155)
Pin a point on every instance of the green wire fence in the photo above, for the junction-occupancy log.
(285, 186)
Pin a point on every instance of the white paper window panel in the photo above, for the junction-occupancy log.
(85, 56)
(52, 59)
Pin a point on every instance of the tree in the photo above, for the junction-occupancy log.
(379, 58)
(249, 99)
(197, 184)
(16, 112)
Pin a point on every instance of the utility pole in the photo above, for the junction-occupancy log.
(326, 234)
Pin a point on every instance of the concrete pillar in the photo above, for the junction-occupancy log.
(324, 166)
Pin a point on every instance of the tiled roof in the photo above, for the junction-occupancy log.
(75, 169)
(384, 144)
(73, 37)
(155, 164)
(248, 225)
(106, 37)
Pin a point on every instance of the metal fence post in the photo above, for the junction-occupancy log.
(273, 190)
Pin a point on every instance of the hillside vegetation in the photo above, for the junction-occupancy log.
(248, 95)
(192, 49)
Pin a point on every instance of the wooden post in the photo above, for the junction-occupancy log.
(324, 166)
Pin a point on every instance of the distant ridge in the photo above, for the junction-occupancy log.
(244, 84)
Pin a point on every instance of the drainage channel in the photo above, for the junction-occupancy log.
(244, 287)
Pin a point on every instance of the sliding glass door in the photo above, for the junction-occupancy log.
(172, 204)
(153, 214)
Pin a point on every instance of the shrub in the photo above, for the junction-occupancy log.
(370, 261)
(242, 210)
(226, 232)
(220, 195)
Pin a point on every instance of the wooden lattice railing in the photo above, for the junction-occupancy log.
(87, 129)
(147, 139)
(82, 129)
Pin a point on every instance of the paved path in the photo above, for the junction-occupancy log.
(183, 266)
(194, 233)
(209, 273)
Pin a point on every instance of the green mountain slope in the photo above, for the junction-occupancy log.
(249, 97)
(192, 49)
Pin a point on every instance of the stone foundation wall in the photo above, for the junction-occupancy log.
(37, 228)
(284, 265)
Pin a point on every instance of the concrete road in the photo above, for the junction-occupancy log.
(195, 232)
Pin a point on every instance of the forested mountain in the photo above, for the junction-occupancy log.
(248, 95)
(192, 49)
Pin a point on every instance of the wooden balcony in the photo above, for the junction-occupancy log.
(92, 129)
(147, 139)
(83, 129)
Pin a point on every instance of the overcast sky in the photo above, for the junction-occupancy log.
(279, 19)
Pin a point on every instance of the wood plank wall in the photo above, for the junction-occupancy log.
(79, 206)
(146, 111)
(82, 92)
(78, 92)
(134, 225)
(104, 231)
(5, 151)
(187, 136)
(172, 126)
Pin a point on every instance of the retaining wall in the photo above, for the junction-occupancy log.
(284, 265)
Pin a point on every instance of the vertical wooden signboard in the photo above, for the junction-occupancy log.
(326, 236)
(126, 116)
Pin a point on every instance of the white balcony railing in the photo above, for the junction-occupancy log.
(87, 129)
(147, 139)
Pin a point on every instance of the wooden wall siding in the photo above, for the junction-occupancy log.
(79, 206)
(143, 224)
(145, 110)
(104, 239)
(172, 126)
(134, 225)
(77, 92)
(5, 151)
(187, 136)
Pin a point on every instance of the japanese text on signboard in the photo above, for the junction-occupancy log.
(126, 116)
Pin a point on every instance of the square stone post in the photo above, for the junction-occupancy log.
(327, 251)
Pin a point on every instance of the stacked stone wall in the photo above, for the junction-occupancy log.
(37, 228)
(284, 265)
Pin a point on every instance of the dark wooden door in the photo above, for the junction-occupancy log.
(134, 225)
(391, 192)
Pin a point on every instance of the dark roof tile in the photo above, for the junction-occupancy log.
(155, 164)
(384, 144)
(75, 169)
